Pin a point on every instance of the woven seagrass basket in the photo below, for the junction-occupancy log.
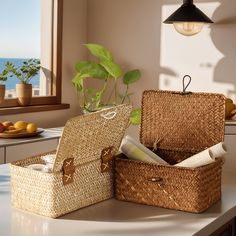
(82, 171)
(177, 125)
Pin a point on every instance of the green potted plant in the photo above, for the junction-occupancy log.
(110, 75)
(24, 73)
(3, 78)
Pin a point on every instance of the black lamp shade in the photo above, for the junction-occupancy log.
(188, 12)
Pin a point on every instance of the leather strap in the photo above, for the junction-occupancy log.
(68, 171)
(106, 159)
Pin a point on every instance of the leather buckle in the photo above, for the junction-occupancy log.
(106, 159)
(68, 171)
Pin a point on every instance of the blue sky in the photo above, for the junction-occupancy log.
(20, 28)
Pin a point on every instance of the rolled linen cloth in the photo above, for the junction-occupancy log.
(146, 151)
(49, 160)
(39, 167)
(134, 152)
(218, 150)
(205, 157)
(200, 159)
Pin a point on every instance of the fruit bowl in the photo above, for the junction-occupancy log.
(21, 134)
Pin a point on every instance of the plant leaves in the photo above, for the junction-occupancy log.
(82, 65)
(91, 69)
(112, 68)
(3, 78)
(135, 117)
(131, 77)
(78, 82)
(25, 72)
(99, 51)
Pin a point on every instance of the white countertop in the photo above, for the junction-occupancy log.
(116, 218)
(230, 122)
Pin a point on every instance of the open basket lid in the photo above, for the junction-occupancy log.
(86, 136)
(180, 121)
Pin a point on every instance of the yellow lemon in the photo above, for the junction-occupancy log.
(228, 100)
(31, 128)
(229, 107)
(20, 125)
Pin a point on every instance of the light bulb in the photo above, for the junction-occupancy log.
(188, 28)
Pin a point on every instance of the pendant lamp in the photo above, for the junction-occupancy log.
(188, 19)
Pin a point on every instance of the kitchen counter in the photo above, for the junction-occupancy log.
(48, 134)
(20, 148)
(117, 218)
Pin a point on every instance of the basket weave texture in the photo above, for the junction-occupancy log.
(179, 125)
(83, 139)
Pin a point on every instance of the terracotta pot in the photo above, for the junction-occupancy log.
(24, 94)
(2, 92)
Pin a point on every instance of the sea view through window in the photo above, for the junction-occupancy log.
(20, 39)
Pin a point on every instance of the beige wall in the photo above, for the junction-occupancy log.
(74, 35)
(133, 31)
(208, 57)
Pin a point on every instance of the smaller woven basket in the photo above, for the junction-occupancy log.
(179, 125)
(82, 172)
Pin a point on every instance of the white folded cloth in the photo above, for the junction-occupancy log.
(136, 151)
(205, 157)
(49, 160)
(39, 167)
(47, 167)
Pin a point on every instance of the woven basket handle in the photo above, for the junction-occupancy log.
(109, 115)
(155, 180)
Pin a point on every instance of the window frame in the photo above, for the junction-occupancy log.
(56, 70)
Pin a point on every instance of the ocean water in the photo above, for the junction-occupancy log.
(12, 81)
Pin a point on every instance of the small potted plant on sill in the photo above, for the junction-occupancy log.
(110, 75)
(24, 73)
(3, 78)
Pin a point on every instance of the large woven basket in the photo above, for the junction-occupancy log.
(82, 171)
(178, 125)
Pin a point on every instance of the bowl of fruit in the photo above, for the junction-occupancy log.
(19, 129)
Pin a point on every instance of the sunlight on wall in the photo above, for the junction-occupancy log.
(196, 56)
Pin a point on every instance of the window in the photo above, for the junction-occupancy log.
(32, 29)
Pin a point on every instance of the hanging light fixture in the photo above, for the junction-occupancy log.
(188, 19)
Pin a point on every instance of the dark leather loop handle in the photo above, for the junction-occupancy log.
(186, 86)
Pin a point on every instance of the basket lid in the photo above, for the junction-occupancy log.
(179, 121)
(86, 136)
